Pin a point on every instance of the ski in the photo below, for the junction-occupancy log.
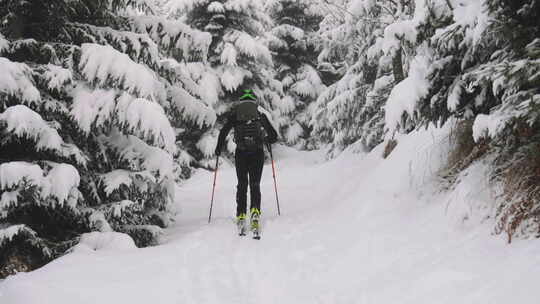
(255, 229)
(255, 225)
(241, 225)
(242, 231)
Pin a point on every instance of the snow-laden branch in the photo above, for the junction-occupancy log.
(22, 122)
(191, 108)
(139, 154)
(174, 35)
(104, 65)
(147, 119)
(15, 80)
(60, 182)
(140, 47)
(115, 179)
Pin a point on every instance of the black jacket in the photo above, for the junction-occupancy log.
(232, 122)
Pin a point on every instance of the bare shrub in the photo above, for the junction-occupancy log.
(516, 168)
(519, 174)
(390, 145)
(463, 150)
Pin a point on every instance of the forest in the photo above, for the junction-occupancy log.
(109, 107)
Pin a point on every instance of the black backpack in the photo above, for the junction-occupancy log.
(248, 131)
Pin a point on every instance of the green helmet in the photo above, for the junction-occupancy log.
(248, 95)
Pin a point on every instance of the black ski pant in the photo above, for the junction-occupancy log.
(249, 167)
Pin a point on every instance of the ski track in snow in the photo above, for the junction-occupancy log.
(352, 230)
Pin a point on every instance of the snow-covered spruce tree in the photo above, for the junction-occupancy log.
(86, 142)
(294, 45)
(238, 59)
(478, 62)
(367, 43)
(512, 121)
(449, 40)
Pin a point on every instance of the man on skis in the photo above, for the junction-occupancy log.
(251, 131)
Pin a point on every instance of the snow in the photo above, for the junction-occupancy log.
(309, 83)
(7, 234)
(228, 55)
(293, 133)
(211, 88)
(382, 83)
(115, 179)
(173, 34)
(241, 6)
(488, 126)
(193, 109)
(470, 201)
(98, 221)
(119, 207)
(406, 94)
(8, 198)
(286, 104)
(184, 158)
(104, 241)
(60, 182)
(92, 108)
(401, 28)
(207, 144)
(191, 75)
(57, 77)
(14, 173)
(4, 44)
(182, 6)
(147, 119)
(287, 30)
(215, 7)
(455, 94)
(247, 45)
(101, 64)
(137, 46)
(396, 32)
(23, 122)
(358, 229)
(472, 15)
(141, 155)
(15, 80)
(232, 77)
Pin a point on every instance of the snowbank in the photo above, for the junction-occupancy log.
(109, 241)
(357, 229)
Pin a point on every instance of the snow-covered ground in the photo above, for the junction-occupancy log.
(358, 229)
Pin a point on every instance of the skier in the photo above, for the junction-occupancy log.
(251, 130)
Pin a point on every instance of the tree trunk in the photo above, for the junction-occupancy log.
(370, 73)
(397, 66)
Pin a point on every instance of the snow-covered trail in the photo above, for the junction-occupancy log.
(354, 230)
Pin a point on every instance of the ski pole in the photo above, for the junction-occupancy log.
(274, 176)
(213, 189)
